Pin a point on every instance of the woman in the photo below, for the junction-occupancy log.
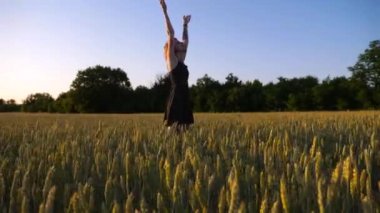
(178, 110)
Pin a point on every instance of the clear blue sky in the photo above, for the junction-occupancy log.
(43, 43)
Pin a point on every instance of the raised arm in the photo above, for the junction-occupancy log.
(185, 34)
(170, 57)
(169, 27)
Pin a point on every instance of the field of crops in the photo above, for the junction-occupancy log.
(254, 162)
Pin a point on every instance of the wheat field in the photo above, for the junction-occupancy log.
(238, 162)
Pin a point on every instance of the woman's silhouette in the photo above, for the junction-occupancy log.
(178, 109)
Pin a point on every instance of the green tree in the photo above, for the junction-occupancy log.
(253, 98)
(206, 95)
(291, 94)
(159, 94)
(367, 68)
(338, 93)
(64, 103)
(9, 106)
(10, 102)
(276, 95)
(233, 93)
(232, 81)
(366, 74)
(300, 95)
(38, 102)
(102, 89)
(143, 100)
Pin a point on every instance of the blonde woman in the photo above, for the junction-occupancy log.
(178, 109)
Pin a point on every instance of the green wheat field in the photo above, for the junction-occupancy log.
(239, 162)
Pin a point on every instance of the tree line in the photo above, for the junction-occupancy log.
(102, 89)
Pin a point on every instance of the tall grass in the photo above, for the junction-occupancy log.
(248, 162)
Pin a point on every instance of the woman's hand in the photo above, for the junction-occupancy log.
(163, 5)
(186, 19)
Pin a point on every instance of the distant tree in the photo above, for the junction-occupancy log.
(300, 95)
(253, 96)
(233, 93)
(232, 81)
(335, 94)
(102, 89)
(198, 97)
(142, 99)
(207, 95)
(64, 103)
(38, 102)
(367, 68)
(11, 102)
(9, 106)
(12, 106)
(270, 100)
(291, 94)
(276, 95)
(159, 93)
(366, 96)
(366, 75)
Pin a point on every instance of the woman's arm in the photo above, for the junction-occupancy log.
(171, 58)
(169, 27)
(185, 34)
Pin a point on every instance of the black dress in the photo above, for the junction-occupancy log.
(178, 107)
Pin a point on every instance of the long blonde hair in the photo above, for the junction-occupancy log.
(166, 47)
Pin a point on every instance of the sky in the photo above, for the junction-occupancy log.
(44, 43)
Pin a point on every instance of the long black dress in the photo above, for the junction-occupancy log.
(178, 107)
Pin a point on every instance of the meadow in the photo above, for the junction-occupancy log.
(235, 162)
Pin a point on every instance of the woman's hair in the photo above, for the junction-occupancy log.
(166, 46)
